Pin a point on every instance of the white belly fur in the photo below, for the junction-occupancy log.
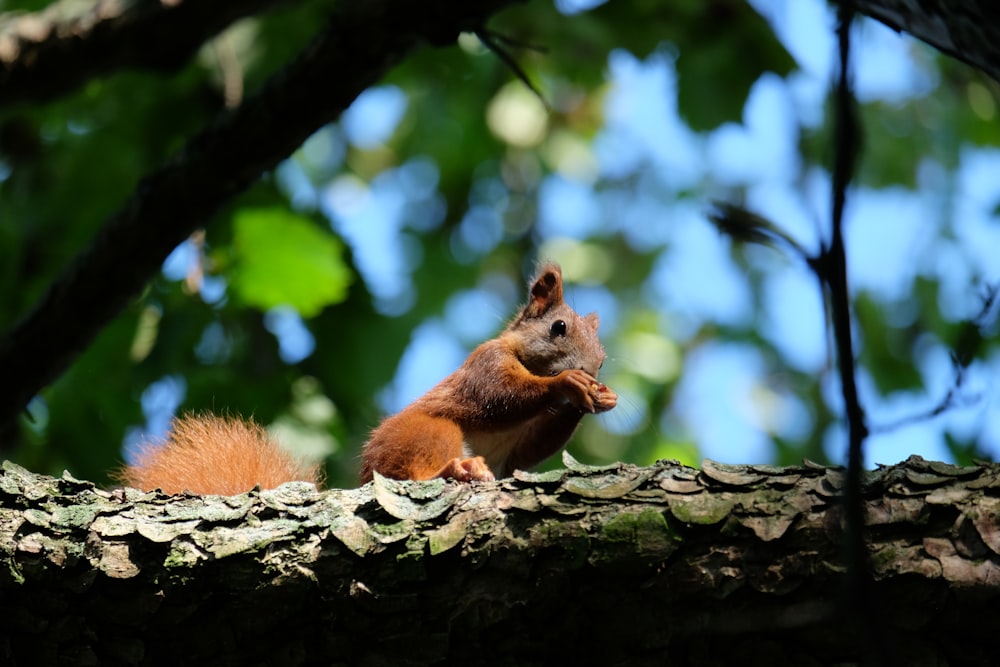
(496, 446)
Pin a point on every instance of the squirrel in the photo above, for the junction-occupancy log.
(515, 401)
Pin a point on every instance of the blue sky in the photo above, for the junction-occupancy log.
(725, 399)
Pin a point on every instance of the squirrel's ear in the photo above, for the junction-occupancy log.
(594, 320)
(546, 291)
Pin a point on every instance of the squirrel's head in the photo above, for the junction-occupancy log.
(549, 336)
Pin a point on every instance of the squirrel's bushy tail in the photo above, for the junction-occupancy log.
(208, 454)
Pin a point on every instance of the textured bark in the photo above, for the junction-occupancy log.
(657, 565)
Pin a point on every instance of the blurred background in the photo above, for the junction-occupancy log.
(367, 266)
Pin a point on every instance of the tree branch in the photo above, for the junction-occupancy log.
(619, 564)
(833, 261)
(968, 30)
(49, 53)
(360, 43)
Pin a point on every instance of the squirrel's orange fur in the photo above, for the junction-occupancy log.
(514, 402)
(208, 454)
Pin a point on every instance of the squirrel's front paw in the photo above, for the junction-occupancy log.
(603, 397)
(576, 385)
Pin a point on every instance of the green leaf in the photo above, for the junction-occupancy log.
(724, 49)
(284, 259)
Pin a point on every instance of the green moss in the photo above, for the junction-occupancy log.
(445, 537)
(884, 558)
(648, 531)
(654, 534)
(74, 516)
(182, 554)
(387, 533)
(702, 509)
(620, 528)
(15, 575)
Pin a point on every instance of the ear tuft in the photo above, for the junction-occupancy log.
(546, 291)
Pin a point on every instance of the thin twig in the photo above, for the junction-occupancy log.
(503, 38)
(745, 226)
(494, 42)
(970, 339)
(952, 399)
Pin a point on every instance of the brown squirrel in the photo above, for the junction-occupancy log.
(514, 402)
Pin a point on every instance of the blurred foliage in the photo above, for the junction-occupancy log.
(206, 331)
(300, 267)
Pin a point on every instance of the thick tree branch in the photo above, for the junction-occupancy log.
(48, 53)
(360, 43)
(968, 30)
(728, 565)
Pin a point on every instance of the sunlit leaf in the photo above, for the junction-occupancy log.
(284, 259)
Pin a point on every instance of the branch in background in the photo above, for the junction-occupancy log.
(496, 43)
(358, 45)
(966, 30)
(745, 226)
(987, 316)
(48, 53)
(952, 399)
(830, 267)
(976, 330)
(846, 144)
(968, 345)
(52, 52)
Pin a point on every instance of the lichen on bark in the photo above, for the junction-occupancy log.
(617, 563)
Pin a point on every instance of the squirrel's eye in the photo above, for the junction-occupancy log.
(558, 328)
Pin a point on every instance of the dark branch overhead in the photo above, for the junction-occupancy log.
(51, 52)
(968, 30)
